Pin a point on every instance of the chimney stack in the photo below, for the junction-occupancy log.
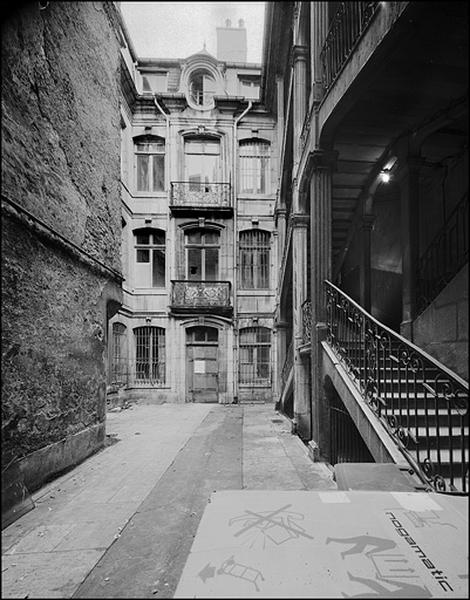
(231, 42)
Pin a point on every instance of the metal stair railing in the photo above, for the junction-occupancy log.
(422, 403)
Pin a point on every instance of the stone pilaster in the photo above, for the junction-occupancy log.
(365, 230)
(300, 293)
(299, 60)
(320, 249)
(318, 33)
(409, 191)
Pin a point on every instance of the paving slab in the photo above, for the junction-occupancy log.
(330, 544)
(121, 524)
(49, 551)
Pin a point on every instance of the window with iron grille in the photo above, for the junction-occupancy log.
(255, 356)
(118, 369)
(202, 254)
(150, 163)
(254, 258)
(254, 166)
(150, 355)
(149, 258)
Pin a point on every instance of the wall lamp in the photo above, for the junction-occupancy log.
(385, 176)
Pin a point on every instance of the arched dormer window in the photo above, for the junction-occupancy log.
(149, 163)
(149, 246)
(254, 157)
(254, 259)
(201, 87)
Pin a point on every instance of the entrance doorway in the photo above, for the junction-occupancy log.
(202, 368)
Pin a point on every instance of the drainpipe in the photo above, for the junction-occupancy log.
(235, 232)
(167, 172)
(167, 141)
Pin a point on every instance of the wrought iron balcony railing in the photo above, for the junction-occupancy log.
(349, 22)
(445, 256)
(423, 405)
(200, 296)
(306, 322)
(196, 195)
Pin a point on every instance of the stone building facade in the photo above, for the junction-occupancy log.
(199, 252)
(61, 230)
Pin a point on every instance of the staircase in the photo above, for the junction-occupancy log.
(422, 403)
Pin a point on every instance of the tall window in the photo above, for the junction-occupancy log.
(255, 355)
(149, 257)
(150, 355)
(118, 369)
(254, 258)
(254, 166)
(202, 254)
(202, 161)
(150, 164)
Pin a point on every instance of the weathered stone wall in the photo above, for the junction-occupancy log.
(61, 121)
(61, 163)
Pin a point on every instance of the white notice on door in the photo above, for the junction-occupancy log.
(199, 366)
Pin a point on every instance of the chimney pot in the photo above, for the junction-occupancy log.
(228, 23)
(241, 23)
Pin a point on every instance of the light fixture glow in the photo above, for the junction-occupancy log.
(385, 176)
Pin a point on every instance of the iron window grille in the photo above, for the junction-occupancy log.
(118, 355)
(149, 355)
(255, 356)
(254, 258)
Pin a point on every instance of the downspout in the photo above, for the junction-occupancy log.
(167, 170)
(235, 246)
(167, 141)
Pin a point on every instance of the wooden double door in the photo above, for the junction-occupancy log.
(202, 364)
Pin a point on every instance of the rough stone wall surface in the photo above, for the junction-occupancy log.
(61, 121)
(60, 162)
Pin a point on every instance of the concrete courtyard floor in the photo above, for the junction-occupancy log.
(121, 524)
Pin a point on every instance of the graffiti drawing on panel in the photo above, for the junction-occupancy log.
(360, 542)
(278, 526)
(232, 568)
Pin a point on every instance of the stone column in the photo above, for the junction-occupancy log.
(299, 60)
(409, 190)
(299, 272)
(320, 249)
(365, 265)
(318, 33)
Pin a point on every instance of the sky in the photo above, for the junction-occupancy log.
(179, 29)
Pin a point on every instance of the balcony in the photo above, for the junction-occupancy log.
(189, 297)
(188, 196)
(349, 22)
